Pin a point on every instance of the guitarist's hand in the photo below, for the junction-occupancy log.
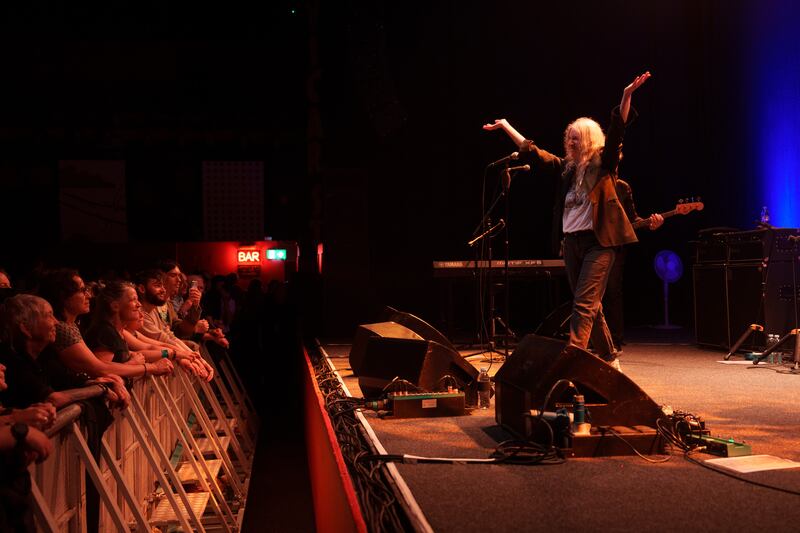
(656, 221)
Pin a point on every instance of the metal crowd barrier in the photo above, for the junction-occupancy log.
(178, 456)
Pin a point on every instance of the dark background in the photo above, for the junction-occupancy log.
(368, 116)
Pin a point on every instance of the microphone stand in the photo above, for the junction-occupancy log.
(495, 318)
(507, 324)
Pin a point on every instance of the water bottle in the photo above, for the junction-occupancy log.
(484, 388)
(579, 424)
(764, 215)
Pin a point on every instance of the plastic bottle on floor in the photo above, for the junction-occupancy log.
(484, 388)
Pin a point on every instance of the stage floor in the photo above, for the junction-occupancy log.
(758, 405)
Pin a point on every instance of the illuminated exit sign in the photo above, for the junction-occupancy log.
(276, 254)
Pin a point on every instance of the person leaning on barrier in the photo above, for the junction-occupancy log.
(150, 289)
(20, 445)
(35, 374)
(70, 297)
(186, 360)
(116, 303)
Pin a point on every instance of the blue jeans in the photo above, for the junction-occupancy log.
(588, 265)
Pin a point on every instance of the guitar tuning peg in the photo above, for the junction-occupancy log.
(680, 200)
(698, 199)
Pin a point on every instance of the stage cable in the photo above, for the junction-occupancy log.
(381, 509)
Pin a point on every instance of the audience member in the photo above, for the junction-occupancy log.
(184, 320)
(35, 374)
(20, 444)
(151, 290)
(214, 332)
(116, 304)
(70, 298)
(186, 360)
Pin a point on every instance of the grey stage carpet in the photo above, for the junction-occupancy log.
(757, 405)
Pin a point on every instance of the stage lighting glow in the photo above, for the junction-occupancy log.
(774, 76)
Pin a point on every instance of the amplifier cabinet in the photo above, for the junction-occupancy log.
(711, 305)
(728, 298)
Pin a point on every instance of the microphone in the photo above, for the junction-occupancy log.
(512, 157)
(507, 174)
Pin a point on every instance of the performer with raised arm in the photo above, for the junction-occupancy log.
(587, 212)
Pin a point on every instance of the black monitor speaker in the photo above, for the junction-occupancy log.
(539, 362)
(387, 350)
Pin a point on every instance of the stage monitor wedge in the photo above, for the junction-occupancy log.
(417, 325)
(384, 351)
(539, 362)
(364, 332)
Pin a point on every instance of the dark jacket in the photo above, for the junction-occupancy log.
(611, 225)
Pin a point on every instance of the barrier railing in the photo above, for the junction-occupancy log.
(179, 455)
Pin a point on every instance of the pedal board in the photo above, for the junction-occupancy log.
(722, 447)
(427, 404)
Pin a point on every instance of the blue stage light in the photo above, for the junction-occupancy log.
(774, 76)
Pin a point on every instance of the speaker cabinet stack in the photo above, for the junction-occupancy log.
(731, 271)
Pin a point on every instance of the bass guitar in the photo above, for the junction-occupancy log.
(683, 207)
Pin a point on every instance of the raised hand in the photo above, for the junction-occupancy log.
(503, 124)
(636, 83)
(497, 124)
(625, 104)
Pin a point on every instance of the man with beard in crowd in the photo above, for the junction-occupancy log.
(152, 295)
